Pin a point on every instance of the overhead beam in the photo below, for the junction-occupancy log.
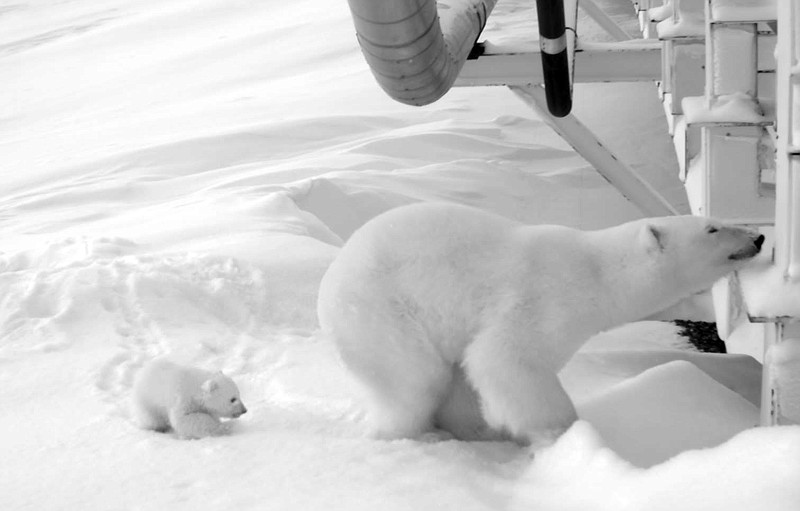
(598, 62)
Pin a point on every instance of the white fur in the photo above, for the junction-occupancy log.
(456, 318)
(186, 399)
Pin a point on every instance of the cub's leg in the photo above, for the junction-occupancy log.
(517, 394)
(195, 425)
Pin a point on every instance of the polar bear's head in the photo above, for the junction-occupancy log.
(700, 250)
(221, 397)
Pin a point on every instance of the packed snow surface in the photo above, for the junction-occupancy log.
(177, 176)
(768, 292)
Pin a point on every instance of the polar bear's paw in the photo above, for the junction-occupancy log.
(197, 425)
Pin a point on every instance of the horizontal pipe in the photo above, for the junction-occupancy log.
(414, 48)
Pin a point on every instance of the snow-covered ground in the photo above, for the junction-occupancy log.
(176, 177)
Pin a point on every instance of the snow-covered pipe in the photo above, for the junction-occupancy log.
(416, 48)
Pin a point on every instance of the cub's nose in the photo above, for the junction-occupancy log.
(759, 241)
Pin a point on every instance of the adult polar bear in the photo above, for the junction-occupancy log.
(459, 319)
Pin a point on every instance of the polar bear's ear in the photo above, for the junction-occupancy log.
(655, 238)
(209, 386)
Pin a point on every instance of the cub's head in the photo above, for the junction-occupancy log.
(703, 250)
(221, 397)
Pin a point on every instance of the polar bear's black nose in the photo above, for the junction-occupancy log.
(759, 241)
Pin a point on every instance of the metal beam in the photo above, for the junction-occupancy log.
(604, 20)
(598, 62)
(623, 177)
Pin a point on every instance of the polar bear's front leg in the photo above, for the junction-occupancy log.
(195, 424)
(518, 395)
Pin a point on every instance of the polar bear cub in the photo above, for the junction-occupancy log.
(188, 400)
(458, 319)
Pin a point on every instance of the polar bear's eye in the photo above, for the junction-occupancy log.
(712, 230)
(233, 400)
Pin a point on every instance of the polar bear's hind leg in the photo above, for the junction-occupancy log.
(460, 412)
(403, 392)
(403, 404)
(147, 418)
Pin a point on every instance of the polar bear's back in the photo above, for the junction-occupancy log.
(413, 228)
(423, 238)
(417, 275)
(425, 253)
(160, 383)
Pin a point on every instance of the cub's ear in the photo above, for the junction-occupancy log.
(655, 238)
(209, 386)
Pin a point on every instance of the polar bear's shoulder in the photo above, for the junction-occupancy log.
(169, 374)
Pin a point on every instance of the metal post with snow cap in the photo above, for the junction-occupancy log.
(416, 48)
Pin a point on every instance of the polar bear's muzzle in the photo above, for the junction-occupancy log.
(750, 250)
(240, 410)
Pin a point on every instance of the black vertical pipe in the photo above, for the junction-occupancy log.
(555, 62)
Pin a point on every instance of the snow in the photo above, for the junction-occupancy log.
(580, 472)
(680, 19)
(656, 403)
(178, 175)
(737, 107)
(661, 12)
(768, 294)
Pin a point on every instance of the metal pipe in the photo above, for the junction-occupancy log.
(416, 48)
(555, 59)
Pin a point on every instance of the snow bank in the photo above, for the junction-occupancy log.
(666, 410)
(616, 356)
(580, 472)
